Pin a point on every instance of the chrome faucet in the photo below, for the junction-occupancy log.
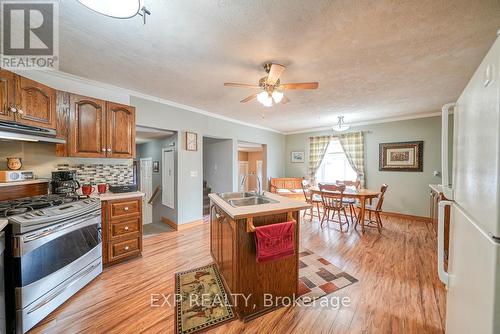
(259, 185)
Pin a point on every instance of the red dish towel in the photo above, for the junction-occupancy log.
(274, 242)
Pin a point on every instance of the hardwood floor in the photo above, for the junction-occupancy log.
(398, 289)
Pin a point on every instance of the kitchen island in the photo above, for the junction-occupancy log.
(256, 288)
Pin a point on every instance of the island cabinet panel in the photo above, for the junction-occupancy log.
(36, 103)
(7, 86)
(122, 229)
(234, 252)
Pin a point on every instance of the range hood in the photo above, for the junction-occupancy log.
(16, 131)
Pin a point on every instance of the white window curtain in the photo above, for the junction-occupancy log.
(317, 150)
(354, 148)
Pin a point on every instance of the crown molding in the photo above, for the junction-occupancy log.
(374, 121)
(124, 91)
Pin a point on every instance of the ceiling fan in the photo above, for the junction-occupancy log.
(272, 89)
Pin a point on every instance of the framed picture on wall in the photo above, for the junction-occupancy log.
(191, 141)
(298, 156)
(156, 166)
(401, 157)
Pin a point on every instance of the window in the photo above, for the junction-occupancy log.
(335, 165)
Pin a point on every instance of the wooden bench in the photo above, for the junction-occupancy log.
(287, 186)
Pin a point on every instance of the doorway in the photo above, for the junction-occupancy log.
(146, 186)
(156, 178)
(252, 159)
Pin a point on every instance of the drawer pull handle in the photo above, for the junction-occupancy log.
(126, 228)
(125, 208)
(126, 248)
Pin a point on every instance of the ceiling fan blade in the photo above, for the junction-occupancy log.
(274, 73)
(249, 98)
(300, 85)
(285, 100)
(232, 84)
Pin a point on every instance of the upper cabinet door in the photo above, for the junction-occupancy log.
(36, 103)
(7, 86)
(87, 127)
(121, 131)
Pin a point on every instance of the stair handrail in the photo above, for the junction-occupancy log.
(157, 190)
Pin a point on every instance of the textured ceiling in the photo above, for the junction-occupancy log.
(373, 59)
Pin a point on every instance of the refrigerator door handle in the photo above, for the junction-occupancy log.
(444, 149)
(443, 275)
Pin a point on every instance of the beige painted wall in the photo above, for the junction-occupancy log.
(408, 192)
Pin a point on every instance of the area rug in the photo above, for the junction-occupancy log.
(203, 300)
(318, 277)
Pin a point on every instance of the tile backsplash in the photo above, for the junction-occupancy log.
(101, 173)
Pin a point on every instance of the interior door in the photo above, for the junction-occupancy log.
(36, 103)
(168, 178)
(473, 300)
(7, 86)
(120, 130)
(242, 171)
(88, 125)
(147, 188)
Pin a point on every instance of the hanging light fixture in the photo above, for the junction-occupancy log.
(341, 126)
(277, 96)
(119, 9)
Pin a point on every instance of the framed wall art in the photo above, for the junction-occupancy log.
(401, 157)
(191, 141)
(298, 156)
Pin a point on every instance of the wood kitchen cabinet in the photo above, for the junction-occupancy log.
(26, 101)
(87, 130)
(35, 103)
(7, 87)
(120, 130)
(121, 229)
(223, 237)
(98, 129)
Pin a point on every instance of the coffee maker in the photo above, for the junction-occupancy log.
(64, 182)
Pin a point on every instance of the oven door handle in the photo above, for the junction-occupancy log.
(63, 288)
(24, 244)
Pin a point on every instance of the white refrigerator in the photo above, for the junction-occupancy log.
(473, 275)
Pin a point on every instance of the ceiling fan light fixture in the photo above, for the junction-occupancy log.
(277, 96)
(341, 126)
(120, 9)
(265, 99)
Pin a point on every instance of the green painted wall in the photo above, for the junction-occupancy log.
(408, 192)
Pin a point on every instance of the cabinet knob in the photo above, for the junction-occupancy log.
(103, 149)
(19, 111)
(125, 208)
(12, 109)
(109, 150)
(126, 228)
(127, 247)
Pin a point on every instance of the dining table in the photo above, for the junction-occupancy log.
(362, 195)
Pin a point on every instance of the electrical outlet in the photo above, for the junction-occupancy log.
(194, 174)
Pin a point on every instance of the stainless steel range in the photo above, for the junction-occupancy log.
(55, 248)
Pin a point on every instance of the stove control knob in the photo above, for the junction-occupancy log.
(87, 201)
(40, 213)
(28, 216)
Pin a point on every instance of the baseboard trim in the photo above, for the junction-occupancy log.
(191, 224)
(402, 215)
(170, 223)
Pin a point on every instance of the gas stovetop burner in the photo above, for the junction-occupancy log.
(23, 205)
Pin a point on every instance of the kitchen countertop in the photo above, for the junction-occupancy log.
(284, 205)
(3, 223)
(20, 183)
(109, 196)
(436, 187)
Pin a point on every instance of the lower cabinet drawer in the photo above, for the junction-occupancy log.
(124, 228)
(123, 208)
(125, 248)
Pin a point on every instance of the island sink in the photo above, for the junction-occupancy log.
(234, 217)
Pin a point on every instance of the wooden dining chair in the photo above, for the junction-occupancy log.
(376, 210)
(332, 196)
(351, 201)
(313, 199)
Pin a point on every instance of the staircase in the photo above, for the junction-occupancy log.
(206, 201)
